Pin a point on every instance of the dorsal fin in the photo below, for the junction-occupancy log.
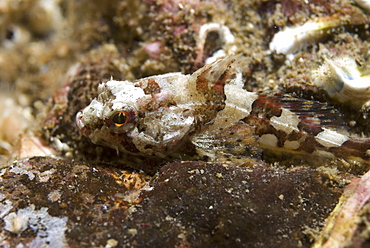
(210, 80)
(314, 115)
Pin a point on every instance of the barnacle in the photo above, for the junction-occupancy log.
(342, 80)
(225, 35)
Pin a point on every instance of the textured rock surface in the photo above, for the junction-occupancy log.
(188, 204)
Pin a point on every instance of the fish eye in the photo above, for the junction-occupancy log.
(119, 118)
(122, 120)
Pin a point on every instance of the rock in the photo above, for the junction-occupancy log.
(191, 204)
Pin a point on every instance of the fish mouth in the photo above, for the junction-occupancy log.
(79, 122)
(81, 126)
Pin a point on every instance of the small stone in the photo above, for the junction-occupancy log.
(54, 196)
(132, 231)
(111, 243)
(218, 175)
(15, 223)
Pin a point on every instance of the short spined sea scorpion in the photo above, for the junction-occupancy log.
(212, 110)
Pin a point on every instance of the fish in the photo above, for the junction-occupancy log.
(212, 111)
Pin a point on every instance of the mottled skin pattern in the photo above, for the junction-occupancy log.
(211, 109)
(165, 110)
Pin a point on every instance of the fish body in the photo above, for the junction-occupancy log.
(210, 109)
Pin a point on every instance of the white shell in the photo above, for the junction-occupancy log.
(342, 80)
(364, 4)
(291, 39)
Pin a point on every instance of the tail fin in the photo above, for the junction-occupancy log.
(353, 148)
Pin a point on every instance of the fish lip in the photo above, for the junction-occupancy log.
(79, 121)
(84, 130)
